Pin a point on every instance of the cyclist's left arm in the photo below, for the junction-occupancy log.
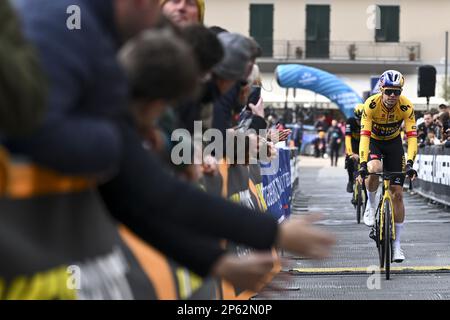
(411, 132)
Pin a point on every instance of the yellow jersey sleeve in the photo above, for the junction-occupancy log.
(410, 130)
(348, 145)
(366, 131)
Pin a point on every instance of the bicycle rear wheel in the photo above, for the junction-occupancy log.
(387, 238)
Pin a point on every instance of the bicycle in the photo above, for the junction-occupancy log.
(359, 198)
(383, 231)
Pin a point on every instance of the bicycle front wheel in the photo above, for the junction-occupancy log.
(380, 236)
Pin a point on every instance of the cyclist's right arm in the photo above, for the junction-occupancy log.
(366, 130)
(348, 139)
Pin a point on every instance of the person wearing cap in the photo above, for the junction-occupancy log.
(184, 12)
(229, 75)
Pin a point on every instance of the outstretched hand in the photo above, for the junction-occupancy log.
(248, 272)
(300, 236)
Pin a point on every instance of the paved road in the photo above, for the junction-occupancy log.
(425, 274)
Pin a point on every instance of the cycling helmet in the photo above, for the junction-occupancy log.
(359, 111)
(391, 78)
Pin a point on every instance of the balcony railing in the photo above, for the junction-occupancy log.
(341, 50)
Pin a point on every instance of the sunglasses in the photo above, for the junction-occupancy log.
(389, 92)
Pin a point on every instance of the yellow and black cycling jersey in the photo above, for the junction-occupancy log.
(352, 136)
(381, 123)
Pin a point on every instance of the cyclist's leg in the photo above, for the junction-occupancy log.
(372, 182)
(374, 166)
(395, 161)
(355, 162)
(350, 166)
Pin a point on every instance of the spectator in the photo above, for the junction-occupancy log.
(69, 141)
(184, 12)
(320, 145)
(447, 139)
(437, 126)
(444, 120)
(321, 124)
(229, 75)
(431, 139)
(443, 108)
(335, 138)
(297, 135)
(208, 51)
(153, 82)
(161, 69)
(23, 87)
(425, 127)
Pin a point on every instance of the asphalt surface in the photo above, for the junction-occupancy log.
(352, 271)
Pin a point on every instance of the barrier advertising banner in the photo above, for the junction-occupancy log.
(433, 167)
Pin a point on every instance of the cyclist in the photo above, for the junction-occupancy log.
(352, 134)
(381, 123)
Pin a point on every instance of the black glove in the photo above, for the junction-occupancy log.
(363, 172)
(410, 172)
(347, 161)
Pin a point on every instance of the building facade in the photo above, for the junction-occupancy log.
(353, 39)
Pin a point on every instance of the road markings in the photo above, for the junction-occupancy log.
(345, 270)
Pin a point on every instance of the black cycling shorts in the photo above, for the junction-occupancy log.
(394, 157)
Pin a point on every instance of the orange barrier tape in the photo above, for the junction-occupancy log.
(154, 264)
(20, 181)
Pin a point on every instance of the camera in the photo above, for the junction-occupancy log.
(255, 95)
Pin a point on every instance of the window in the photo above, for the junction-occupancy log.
(389, 24)
(261, 26)
(317, 31)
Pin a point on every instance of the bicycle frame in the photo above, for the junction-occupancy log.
(384, 231)
(387, 197)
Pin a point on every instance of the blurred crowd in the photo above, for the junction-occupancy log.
(99, 103)
(433, 128)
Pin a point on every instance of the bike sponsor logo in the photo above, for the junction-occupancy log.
(404, 108)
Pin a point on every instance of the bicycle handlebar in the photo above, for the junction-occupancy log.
(387, 175)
